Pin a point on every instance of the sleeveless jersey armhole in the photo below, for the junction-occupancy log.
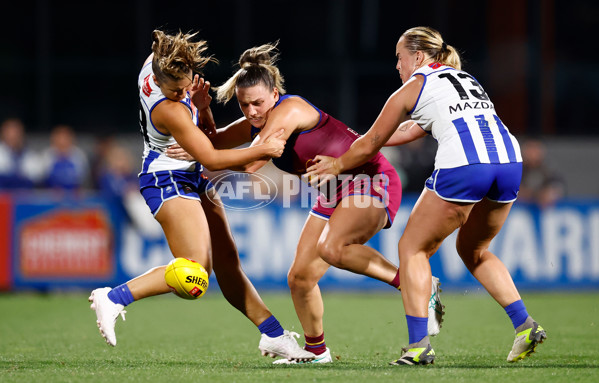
(419, 93)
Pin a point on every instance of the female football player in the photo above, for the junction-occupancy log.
(338, 225)
(477, 174)
(174, 106)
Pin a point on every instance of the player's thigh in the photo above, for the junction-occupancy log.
(355, 220)
(431, 221)
(306, 263)
(484, 222)
(186, 229)
(224, 251)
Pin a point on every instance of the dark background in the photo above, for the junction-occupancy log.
(76, 62)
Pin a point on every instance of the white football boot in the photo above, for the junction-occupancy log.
(325, 357)
(284, 346)
(435, 309)
(419, 353)
(107, 313)
(528, 336)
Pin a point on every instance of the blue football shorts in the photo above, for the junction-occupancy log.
(158, 187)
(472, 183)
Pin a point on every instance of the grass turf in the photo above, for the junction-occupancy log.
(53, 338)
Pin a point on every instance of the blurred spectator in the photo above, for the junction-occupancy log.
(19, 166)
(539, 184)
(118, 183)
(66, 165)
(116, 175)
(99, 158)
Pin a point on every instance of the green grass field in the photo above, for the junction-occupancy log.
(53, 338)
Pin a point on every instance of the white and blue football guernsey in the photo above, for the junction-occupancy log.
(163, 178)
(155, 142)
(455, 109)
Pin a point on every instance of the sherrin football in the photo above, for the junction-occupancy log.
(186, 278)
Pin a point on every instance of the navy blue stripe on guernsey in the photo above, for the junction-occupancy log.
(467, 142)
(419, 94)
(488, 139)
(148, 160)
(423, 84)
(150, 115)
(511, 153)
(188, 105)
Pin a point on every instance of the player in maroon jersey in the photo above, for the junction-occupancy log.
(338, 226)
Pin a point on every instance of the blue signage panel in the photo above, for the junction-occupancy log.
(87, 243)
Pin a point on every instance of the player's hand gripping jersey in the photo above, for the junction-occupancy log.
(455, 109)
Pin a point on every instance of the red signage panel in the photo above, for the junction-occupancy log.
(66, 244)
(6, 222)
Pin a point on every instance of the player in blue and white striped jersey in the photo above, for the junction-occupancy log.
(174, 110)
(478, 168)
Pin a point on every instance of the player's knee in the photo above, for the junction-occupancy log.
(408, 251)
(470, 255)
(331, 252)
(300, 279)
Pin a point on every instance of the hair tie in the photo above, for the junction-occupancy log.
(443, 46)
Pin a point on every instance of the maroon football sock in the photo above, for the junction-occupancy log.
(315, 344)
(395, 281)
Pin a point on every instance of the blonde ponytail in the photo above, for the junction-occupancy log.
(430, 41)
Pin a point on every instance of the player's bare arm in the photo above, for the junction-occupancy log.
(292, 116)
(364, 148)
(176, 117)
(407, 131)
(231, 136)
